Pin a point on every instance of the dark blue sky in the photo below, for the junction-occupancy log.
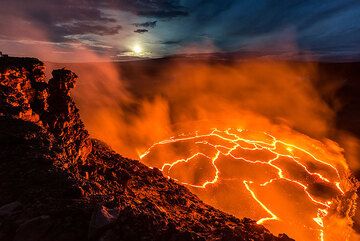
(126, 28)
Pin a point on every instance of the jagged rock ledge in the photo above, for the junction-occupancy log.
(58, 184)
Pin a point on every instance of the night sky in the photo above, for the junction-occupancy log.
(137, 28)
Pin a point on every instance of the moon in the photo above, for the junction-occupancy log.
(137, 49)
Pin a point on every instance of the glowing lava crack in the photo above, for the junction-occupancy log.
(204, 161)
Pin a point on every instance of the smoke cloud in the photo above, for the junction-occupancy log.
(247, 93)
(131, 106)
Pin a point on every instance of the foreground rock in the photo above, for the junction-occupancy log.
(57, 184)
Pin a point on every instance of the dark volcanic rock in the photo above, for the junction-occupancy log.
(22, 88)
(25, 95)
(56, 184)
(62, 117)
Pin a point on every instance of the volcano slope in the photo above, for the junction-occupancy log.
(57, 183)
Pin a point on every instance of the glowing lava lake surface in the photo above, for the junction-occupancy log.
(294, 185)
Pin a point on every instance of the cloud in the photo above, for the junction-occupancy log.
(141, 31)
(170, 42)
(322, 29)
(163, 14)
(150, 24)
(68, 17)
(81, 22)
(315, 25)
(83, 28)
(59, 19)
(158, 9)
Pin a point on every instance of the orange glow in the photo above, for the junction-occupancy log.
(276, 165)
(280, 158)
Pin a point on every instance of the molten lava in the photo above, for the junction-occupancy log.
(288, 187)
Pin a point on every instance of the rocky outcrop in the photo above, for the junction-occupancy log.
(58, 184)
(25, 95)
(22, 88)
(62, 117)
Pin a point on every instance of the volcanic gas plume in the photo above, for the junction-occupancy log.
(251, 138)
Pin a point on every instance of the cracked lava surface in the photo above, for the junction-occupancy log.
(288, 185)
